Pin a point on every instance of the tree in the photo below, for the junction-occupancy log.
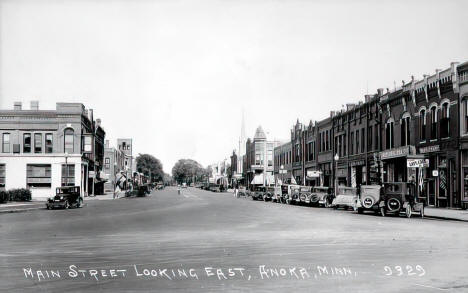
(150, 166)
(187, 170)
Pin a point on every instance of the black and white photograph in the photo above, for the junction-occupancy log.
(233, 146)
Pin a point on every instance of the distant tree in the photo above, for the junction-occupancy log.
(187, 170)
(150, 166)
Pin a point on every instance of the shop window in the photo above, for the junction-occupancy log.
(6, 143)
(27, 143)
(444, 121)
(38, 143)
(69, 141)
(38, 175)
(68, 175)
(422, 125)
(433, 122)
(2, 176)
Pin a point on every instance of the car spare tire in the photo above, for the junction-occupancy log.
(393, 205)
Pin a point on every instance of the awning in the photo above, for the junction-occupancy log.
(260, 179)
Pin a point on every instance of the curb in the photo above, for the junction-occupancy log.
(445, 218)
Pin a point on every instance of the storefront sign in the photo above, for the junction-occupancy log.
(394, 153)
(429, 149)
(417, 163)
(313, 173)
(357, 163)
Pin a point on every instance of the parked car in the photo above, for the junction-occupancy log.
(304, 194)
(242, 193)
(269, 193)
(400, 197)
(346, 197)
(214, 187)
(65, 197)
(292, 194)
(160, 186)
(370, 198)
(257, 192)
(321, 196)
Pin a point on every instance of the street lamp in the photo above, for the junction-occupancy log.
(282, 172)
(335, 172)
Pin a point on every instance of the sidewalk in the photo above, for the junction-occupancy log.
(107, 196)
(446, 214)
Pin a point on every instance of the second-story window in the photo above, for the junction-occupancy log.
(369, 138)
(363, 140)
(49, 148)
(344, 144)
(107, 163)
(357, 141)
(405, 130)
(433, 122)
(389, 143)
(6, 143)
(69, 141)
(27, 143)
(422, 125)
(38, 143)
(351, 144)
(444, 121)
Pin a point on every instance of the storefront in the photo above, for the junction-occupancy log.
(326, 174)
(342, 174)
(312, 177)
(297, 174)
(440, 176)
(394, 163)
(358, 173)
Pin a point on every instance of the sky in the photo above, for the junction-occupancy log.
(176, 75)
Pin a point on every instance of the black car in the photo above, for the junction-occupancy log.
(65, 197)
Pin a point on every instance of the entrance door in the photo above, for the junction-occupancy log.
(431, 190)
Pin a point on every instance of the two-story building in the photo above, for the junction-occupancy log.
(44, 149)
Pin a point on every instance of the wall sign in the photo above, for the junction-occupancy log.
(429, 149)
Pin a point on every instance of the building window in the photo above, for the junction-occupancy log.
(6, 143)
(38, 143)
(357, 141)
(465, 115)
(369, 138)
(68, 175)
(87, 144)
(2, 176)
(389, 143)
(433, 122)
(405, 131)
(377, 135)
(49, 148)
(69, 141)
(363, 141)
(422, 125)
(27, 143)
(327, 146)
(351, 144)
(444, 121)
(38, 175)
(344, 144)
(107, 163)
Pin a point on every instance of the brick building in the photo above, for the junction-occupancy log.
(45, 149)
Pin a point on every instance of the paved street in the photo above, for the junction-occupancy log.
(179, 242)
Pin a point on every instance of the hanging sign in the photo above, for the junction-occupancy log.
(417, 163)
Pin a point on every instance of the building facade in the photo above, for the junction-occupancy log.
(45, 149)
(114, 168)
(283, 163)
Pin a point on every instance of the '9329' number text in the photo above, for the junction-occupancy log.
(407, 270)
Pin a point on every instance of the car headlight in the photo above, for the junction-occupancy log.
(61, 197)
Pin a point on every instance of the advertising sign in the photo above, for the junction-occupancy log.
(417, 163)
(313, 173)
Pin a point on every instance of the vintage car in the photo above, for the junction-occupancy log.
(399, 197)
(269, 193)
(65, 197)
(160, 186)
(304, 194)
(214, 187)
(346, 197)
(242, 193)
(321, 196)
(292, 195)
(370, 198)
(258, 192)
